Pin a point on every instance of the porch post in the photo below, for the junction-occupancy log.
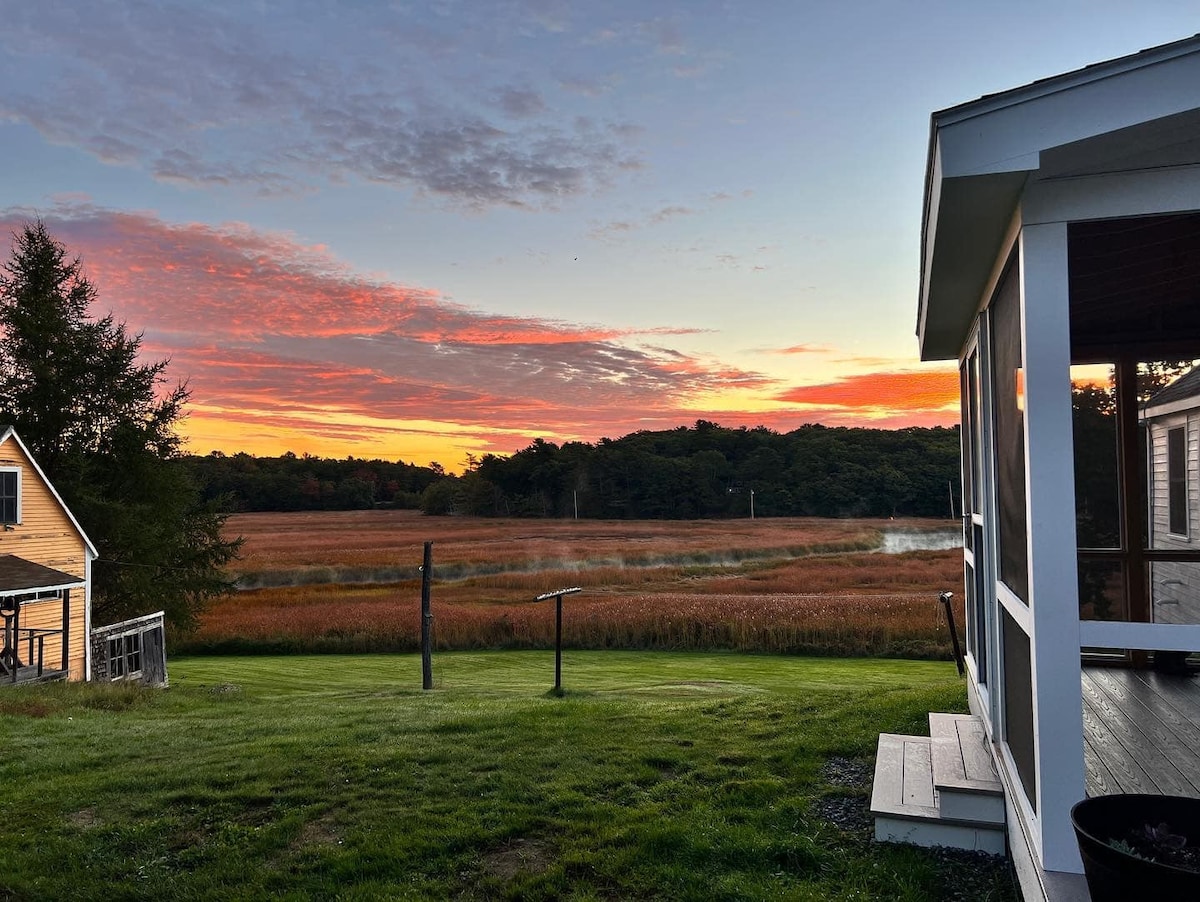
(1053, 586)
(66, 630)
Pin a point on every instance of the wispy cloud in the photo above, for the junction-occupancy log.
(224, 95)
(259, 323)
(803, 349)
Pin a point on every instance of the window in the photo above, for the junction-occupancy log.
(124, 656)
(10, 495)
(1177, 481)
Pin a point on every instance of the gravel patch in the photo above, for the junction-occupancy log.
(975, 876)
(847, 772)
(848, 813)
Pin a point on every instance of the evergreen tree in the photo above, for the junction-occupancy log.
(103, 426)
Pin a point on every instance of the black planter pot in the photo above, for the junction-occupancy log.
(1116, 876)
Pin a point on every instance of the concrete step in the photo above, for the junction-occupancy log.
(905, 804)
(964, 774)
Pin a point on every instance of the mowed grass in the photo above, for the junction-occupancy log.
(657, 776)
(781, 586)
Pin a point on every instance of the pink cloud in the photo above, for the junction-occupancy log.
(274, 334)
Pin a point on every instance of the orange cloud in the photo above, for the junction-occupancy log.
(923, 391)
(285, 347)
(803, 349)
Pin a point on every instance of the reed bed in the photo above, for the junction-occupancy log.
(349, 582)
(387, 620)
(850, 604)
(345, 541)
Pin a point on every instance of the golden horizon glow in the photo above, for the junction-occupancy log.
(286, 348)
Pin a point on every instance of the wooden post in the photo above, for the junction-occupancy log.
(426, 619)
(66, 633)
(558, 643)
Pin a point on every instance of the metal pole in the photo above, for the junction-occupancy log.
(752, 504)
(576, 494)
(944, 598)
(426, 619)
(558, 643)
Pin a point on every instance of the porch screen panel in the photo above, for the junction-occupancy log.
(1018, 704)
(1009, 433)
(966, 446)
(969, 437)
(1097, 475)
(976, 618)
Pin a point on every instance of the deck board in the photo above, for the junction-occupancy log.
(28, 674)
(1141, 732)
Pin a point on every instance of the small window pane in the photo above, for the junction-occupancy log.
(8, 496)
(1177, 480)
(1102, 590)
(116, 659)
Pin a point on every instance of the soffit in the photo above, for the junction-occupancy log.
(1134, 112)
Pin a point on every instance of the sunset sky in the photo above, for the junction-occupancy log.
(421, 230)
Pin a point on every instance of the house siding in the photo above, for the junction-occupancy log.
(1175, 587)
(47, 536)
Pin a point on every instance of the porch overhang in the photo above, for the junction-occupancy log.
(1135, 112)
(19, 576)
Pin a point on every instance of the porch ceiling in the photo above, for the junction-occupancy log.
(1135, 284)
(1136, 112)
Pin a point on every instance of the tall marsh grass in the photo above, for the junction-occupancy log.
(782, 586)
(851, 625)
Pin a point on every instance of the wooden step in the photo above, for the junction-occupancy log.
(964, 774)
(905, 804)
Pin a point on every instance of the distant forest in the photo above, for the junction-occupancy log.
(690, 472)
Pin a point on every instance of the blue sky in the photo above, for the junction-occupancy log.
(430, 229)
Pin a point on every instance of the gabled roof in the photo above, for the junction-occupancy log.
(7, 432)
(1135, 111)
(1179, 395)
(19, 575)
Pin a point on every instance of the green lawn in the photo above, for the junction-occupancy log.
(657, 776)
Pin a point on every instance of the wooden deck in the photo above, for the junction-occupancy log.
(27, 675)
(1141, 732)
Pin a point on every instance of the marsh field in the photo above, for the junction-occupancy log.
(350, 582)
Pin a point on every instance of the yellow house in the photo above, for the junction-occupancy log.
(45, 574)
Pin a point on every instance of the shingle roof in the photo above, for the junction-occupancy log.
(1186, 386)
(1129, 58)
(20, 575)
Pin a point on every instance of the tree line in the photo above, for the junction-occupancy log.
(700, 471)
(306, 483)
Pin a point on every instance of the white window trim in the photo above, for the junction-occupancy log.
(16, 470)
